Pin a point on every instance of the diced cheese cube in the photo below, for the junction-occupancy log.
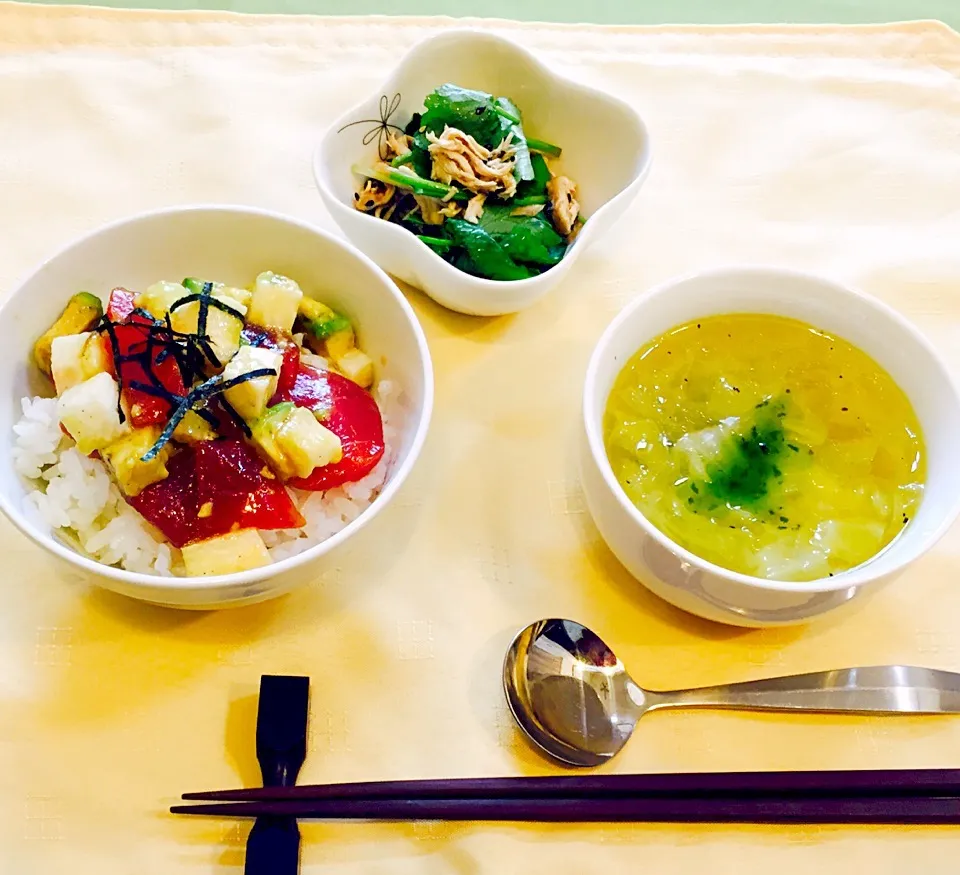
(88, 412)
(77, 357)
(223, 328)
(275, 301)
(231, 293)
(125, 458)
(295, 441)
(251, 397)
(357, 366)
(158, 298)
(226, 554)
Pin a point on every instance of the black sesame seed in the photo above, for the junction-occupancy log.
(844, 409)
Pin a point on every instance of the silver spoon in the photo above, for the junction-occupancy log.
(573, 697)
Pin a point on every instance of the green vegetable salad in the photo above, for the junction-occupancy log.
(467, 180)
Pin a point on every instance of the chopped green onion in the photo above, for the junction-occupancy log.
(408, 180)
(505, 113)
(400, 160)
(528, 201)
(544, 147)
(435, 242)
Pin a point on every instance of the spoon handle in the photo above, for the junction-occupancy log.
(885, 689)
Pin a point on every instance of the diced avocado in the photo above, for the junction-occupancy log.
(77, 357)
(250, 398)
(193, 429)
(275, 301)
(82, 312)
(340, 343)
(125, 459)
(226, 554)
(223, 328)
(88, 412)
(159, 297)
(356, 366)
(319, 320)
(295, 441)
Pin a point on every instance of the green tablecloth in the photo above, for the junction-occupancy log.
(600, 11)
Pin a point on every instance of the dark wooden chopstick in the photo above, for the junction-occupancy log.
(770, 810)
(864, 782)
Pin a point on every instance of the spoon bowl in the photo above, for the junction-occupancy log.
(574, 698)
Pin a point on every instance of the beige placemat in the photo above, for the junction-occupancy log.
(835, 150)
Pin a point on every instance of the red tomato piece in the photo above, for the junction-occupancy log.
(225, 481)
(121, 304)
(131, 337)
(144, 407)
(282, 341)
(350, 412)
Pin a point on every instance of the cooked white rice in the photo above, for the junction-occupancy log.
(75, 496)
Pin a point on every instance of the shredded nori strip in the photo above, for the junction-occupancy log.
(216, 303)
(108, 326)
(238, 420)
(205, 296)
(213, 386)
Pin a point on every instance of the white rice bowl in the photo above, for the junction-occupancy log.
(76, 497)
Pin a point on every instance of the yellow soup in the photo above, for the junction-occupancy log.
(765, 445)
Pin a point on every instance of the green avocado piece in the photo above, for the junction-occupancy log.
(83, 311)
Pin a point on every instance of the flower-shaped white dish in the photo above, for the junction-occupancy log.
(701, 587)
(232, 244)
(606, 150)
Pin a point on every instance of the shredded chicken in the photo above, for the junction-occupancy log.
(474, 208)
(373, 196)
(434, 211)
(565, 207)
(528, 210)
(397, 144)
(458, 157)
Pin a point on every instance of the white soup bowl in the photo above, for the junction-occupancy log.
(705, 589)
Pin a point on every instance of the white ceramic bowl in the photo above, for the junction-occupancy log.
(605, 145)
(705, 589)
(232, 244)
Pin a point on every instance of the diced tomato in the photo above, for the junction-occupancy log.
(214, 488)
(278, 339)
(144, 407)
(121, 304)
(350, 413)
(289, 369)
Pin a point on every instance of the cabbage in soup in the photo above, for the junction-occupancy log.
(765, 446)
